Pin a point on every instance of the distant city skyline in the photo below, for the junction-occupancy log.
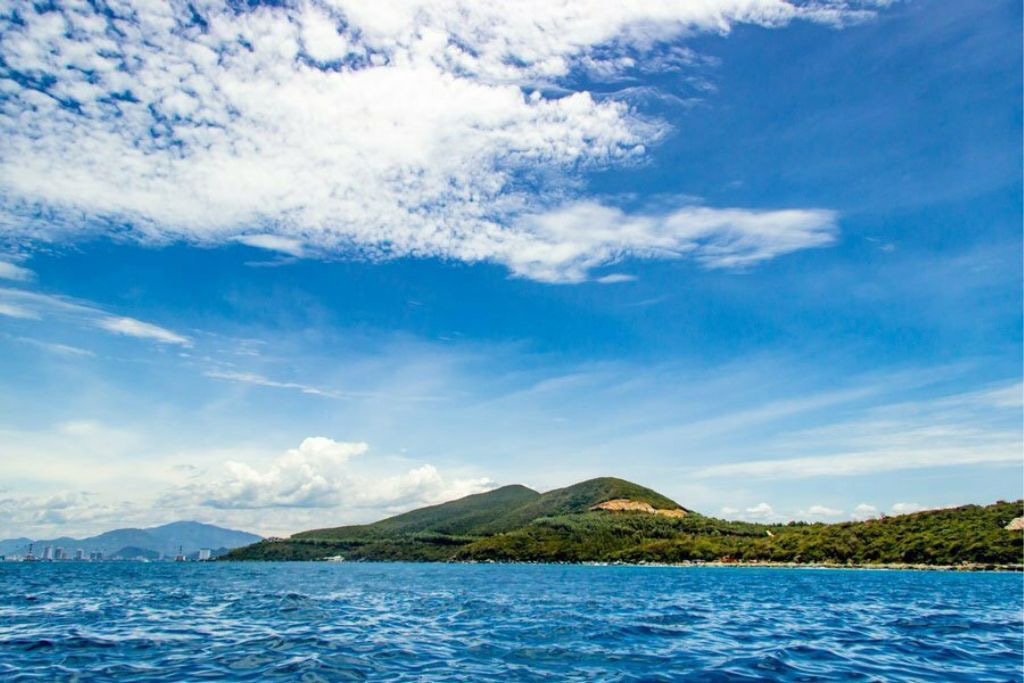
(287, 267)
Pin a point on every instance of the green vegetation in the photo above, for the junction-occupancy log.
(464, 516)
(516, 524)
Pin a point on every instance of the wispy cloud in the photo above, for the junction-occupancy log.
(54, 347)
(15, 311)
(970, 428)
(11, 271)
(278, 243)
(874, 462)
(564, 244)
(462, 139)
(260, 380)
(615, 278)
(131, 327)
(33, 305)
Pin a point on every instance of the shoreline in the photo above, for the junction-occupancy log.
(974, 567)
(826, 565)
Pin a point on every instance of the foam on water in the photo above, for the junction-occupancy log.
(404, 622)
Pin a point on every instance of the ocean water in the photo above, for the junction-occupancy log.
(408, 622)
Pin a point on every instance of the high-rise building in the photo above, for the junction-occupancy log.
(79, 554)
(59, 554)
(204, 554)
(48, 553)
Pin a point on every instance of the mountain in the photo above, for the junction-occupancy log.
(578, 499)
(165, 540)
(133, 553)
(610, 519)
(463, 516)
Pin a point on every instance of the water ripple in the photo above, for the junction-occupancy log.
(401, 622)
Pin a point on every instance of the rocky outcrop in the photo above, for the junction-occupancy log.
(626, 505)
(1016, 524)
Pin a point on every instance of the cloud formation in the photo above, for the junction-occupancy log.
(906, 508)
(973, 428)
(20, 303)
(437, 128)
(11, 271)
(317, 475)
(131, 327)
(864, 511)
(15, 311)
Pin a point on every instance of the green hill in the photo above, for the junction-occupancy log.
(517, 524)
(463, 516)
(578, 499)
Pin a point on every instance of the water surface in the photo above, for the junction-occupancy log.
(408, 622)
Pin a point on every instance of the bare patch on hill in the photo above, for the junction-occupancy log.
(627, 505)
(1016, 524)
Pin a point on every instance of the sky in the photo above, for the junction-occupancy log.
(301, 264)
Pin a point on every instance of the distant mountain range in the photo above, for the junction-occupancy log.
(611, 520)
(158, 540)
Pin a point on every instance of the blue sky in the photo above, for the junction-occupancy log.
(305, 265)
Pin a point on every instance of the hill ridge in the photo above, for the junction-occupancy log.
(517, 524)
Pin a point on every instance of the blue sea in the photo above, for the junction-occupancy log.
(422, 622)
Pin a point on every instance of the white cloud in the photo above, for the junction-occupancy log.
(849, 464)
(58, 510)
(439, 128)
(317, 475)
(284, 245)
(819, 511)
(760, 511)
(25, 304)
(864, 511)
(614, 278)
(11, 271)
(971, 428)
(564, 244)
(54, 347)
(15, 311)
(906, 508)
(136, 328)
(260, 380)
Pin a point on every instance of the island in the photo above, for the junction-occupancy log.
(610, 520)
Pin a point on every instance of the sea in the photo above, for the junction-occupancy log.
(126, 621)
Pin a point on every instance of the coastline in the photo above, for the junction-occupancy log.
(828, 565)
(966, 567)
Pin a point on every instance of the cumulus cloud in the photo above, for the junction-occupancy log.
(136, 328)
(906, 508)
(54, 513)
(760, 511)
(820, 511)
(317, 474)
(435, 128)
(864, 511)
